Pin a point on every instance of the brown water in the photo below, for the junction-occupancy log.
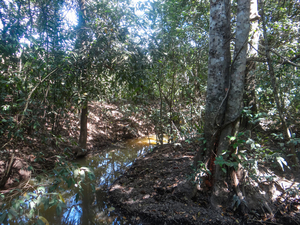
(94, 207)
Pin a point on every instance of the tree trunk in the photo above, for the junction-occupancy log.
(286, 130)
(217, 80)
(84, 110)
(83, 126)
(218, 71)
(250, 78)
(234, 108)
(224, 101)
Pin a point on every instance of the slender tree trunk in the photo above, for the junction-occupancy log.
(83, 126)
(286, 130)
(84, 110)
(250, 78)
(160, 129)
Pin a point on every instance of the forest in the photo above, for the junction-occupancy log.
(208, 89)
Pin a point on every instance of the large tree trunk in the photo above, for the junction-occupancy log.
(225, 88)
(217, 81)
(218, 71)
(234, 108)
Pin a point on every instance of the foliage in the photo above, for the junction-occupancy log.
(156, 61)
(25, 209)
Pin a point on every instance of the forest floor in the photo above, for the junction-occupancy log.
(158, 187)
(38, 151)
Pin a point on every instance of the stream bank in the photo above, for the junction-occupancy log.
(157, 189)
(38, 152)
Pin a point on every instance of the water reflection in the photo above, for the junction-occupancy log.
(94, 208)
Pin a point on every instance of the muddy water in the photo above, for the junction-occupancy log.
(94, 208)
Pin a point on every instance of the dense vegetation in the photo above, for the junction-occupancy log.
(153, 56)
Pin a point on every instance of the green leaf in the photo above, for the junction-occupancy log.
(111, 209)
(70, 181)
(235, 145)
(13, 212)
(91, 176)
(46, 203)
(40, 222)
(2, 217)
(58, 210)
(231, 138)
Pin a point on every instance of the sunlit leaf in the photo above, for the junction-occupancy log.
(44, 220)
(61, 198)
(111, 209)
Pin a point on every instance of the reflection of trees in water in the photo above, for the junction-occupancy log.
(107, 167)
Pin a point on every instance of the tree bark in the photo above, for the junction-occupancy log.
(225, 89)
(83, 126)
(218, 70)
(250, 78)
(84, 110)
(217, 81)
(234, 108)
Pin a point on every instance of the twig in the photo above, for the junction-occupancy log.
(262, 222)
(31, 92)
(286, 60)
(7, 171)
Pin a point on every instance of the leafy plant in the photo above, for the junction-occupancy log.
(26, 207)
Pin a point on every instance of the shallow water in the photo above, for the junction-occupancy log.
(108, 165)
(94, 207)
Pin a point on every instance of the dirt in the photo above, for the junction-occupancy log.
(157, 190)
(38, 151)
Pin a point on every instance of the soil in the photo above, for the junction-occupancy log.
(38, 151)
(157, 190)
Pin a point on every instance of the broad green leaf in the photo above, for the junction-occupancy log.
(13, 212)
(3, 216)
(58, 210)
(46, 203)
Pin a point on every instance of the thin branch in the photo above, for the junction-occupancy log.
(256, 59)
(31, 92)
(286, 60)
(261, 53)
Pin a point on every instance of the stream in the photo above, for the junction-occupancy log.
(108, 165)
(93, 207)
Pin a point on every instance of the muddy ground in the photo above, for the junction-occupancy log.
(157, 189)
